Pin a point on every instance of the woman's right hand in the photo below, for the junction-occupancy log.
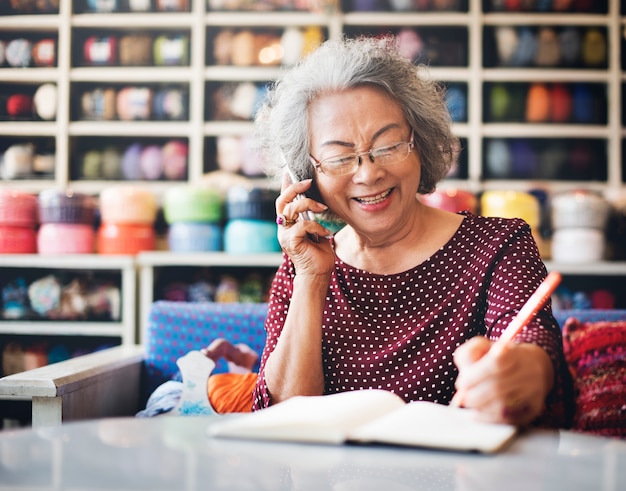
(297, 238)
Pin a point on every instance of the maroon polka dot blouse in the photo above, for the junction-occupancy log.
(398, 331)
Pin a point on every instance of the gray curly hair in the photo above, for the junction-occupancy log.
(281, 122)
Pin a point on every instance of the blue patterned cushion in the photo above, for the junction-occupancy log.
(175, 328)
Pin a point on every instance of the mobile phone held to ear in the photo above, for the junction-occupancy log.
(305, 215)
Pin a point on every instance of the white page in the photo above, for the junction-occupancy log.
(435, 426)
(313, 419)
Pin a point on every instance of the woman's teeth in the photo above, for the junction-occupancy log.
(374, 199)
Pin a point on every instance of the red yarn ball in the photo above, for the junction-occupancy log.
(19, 105)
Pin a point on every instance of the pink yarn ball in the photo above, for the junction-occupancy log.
(175, 160)
(151, 162)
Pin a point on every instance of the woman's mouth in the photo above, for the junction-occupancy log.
(373, 200)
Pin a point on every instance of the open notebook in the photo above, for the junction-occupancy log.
(367, 416)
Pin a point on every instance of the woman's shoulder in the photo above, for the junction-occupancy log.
(493, 224)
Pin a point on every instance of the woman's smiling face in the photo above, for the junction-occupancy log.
(374, 199)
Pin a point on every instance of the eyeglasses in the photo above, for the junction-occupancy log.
(348, 163)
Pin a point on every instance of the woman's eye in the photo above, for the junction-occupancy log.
(387, 150)
(340, 162)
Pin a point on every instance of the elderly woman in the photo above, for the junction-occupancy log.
(404, 297)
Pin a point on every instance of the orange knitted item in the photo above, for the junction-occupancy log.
(231, 392)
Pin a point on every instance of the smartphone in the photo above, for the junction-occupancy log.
(305, 215)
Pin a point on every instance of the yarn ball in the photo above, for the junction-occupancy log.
(44, 53)
(456, 101)
(131, 163)
(538, 103)
(570, 41)
(111, 163)
(100, 50)
(151, 162)
(139, 5)
(242, 46)
(174, 154)
(548, 53)
(19, 53)
(170, 104)
(525, 161)
(560, 103)
(92, 164)
(229, 153)
(292, 43)
(366, 5)
(18, 160)
(171, 50)
(526, 48)
(45, 101)
(102, 5)
(602, 299)
(499, 102)
(19, 106)
(251, 163)
(583, 104)
(498, 159)
(223, 47)
(45, 294)
(410, 43)
(594, 48)
(507, 41)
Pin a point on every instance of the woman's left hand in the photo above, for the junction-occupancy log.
(508, 387)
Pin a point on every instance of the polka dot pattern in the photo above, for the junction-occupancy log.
(398, 331)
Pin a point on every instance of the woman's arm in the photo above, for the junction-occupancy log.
(292, 360)
(530, 379)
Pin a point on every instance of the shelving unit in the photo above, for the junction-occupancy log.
(67, 132)
(199, 23)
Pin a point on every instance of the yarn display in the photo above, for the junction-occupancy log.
(137, 49)
(19, 219)
(544, 158)
(263, 47)
(128, 214)
(579, 220)
(28, 158)
(61, 295)
(31, 50)
(251, 226)
(546, 46)
(106, 6)
(194, 215)
(67, 221)
(265, 5)
(540, 102)
(138, 161)
(214, 284)
(237, 154)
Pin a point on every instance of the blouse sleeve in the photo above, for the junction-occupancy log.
(279, 299)
(517, 273)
